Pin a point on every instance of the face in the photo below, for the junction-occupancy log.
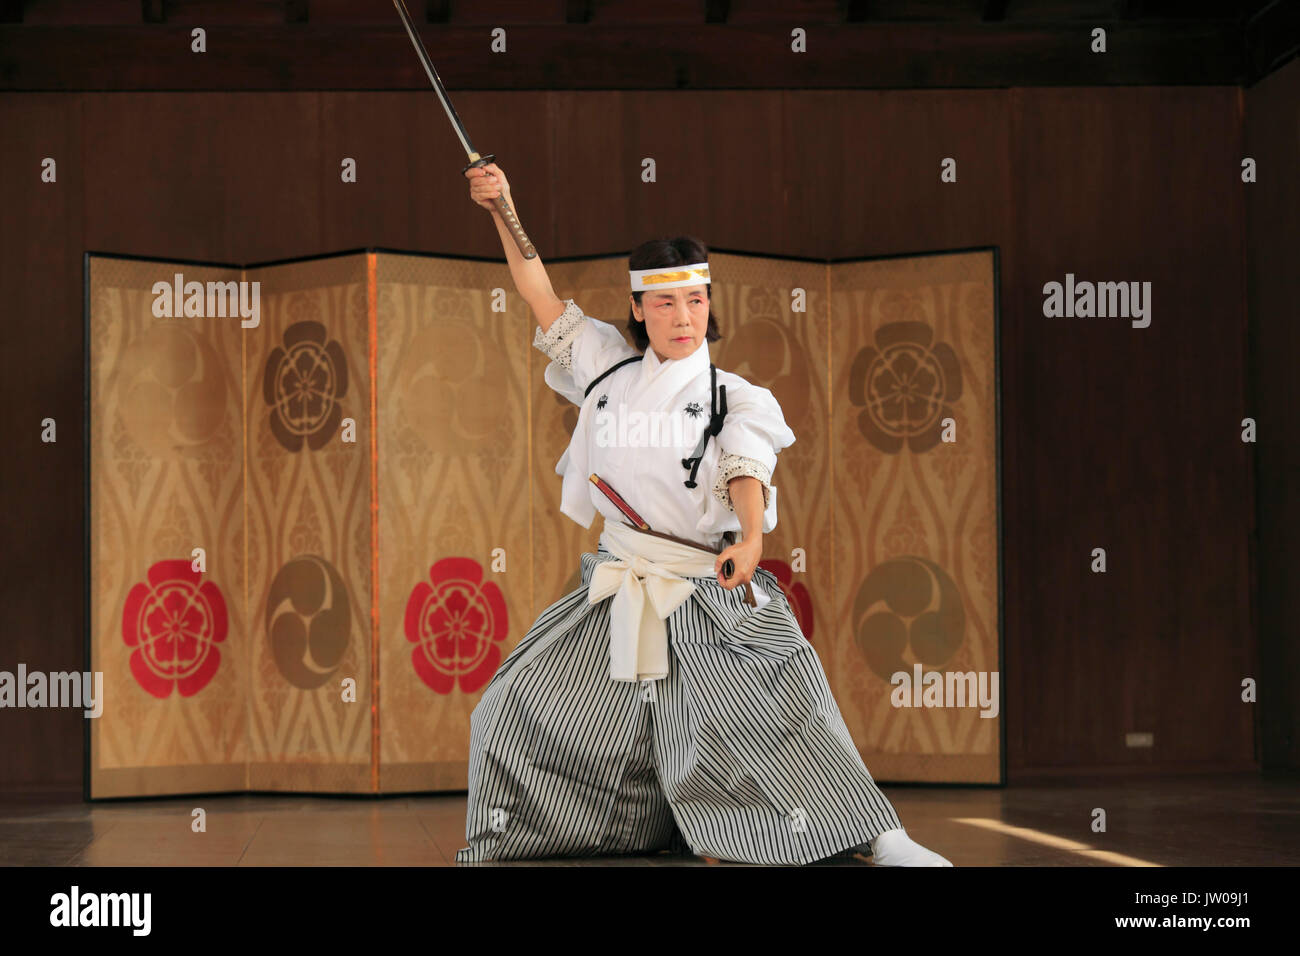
(676, 320)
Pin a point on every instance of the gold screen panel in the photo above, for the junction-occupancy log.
(370, 473)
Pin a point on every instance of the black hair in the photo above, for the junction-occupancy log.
(663, 253)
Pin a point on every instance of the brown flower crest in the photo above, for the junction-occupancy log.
(905, 386)
(302, 384)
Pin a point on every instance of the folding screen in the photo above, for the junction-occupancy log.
(369, 472)
(166, 457)
(308, 506)
(913, 460)
(455, 548)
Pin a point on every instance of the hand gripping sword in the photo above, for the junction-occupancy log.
(521, 238)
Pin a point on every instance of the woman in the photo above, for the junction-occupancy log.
(593, 737)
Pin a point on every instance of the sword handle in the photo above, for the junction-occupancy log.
(521, 238)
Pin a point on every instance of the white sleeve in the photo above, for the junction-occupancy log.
(754, 427)
(753, 432)
(580, 349)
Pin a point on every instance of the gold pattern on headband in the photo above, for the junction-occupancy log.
(674, 276)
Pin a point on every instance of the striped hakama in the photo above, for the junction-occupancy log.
(739, 753)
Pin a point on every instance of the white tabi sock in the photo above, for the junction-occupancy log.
(896, 848)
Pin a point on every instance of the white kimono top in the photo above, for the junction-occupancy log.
(638, 424)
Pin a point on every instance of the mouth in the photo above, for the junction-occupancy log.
(682, 338)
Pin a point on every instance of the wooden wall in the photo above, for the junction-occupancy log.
(1272, 248)
(1113, 437)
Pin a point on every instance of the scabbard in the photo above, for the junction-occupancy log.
(749, 591)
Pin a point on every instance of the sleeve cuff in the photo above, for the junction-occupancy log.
(734, 466)
(557, 341)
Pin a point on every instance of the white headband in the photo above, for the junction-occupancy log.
(669, 277)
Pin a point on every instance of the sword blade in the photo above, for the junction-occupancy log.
(438, 88)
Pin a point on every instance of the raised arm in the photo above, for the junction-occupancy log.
(531, 281)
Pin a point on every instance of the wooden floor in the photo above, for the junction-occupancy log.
(1221, 820)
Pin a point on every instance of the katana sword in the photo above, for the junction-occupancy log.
(728, 566)
(608, 491)
(521, 238)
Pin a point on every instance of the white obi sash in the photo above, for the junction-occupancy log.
(649, 579)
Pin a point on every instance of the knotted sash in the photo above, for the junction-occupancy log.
(649, 579)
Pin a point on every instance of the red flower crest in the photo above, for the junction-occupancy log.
(456, 625)
(175, 625)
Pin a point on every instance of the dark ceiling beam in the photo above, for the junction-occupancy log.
(866, 56)
(11, 11)
(716, 11)
(206, 13)
(857, 11)
(1128, 9)
(1272, 37)
(435, 11)
(994, 10)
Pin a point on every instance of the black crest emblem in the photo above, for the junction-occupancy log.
(600, 402)
(694, 409)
